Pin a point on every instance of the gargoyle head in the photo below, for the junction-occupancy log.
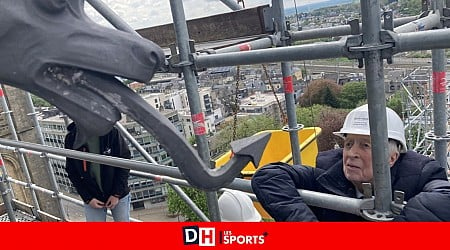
(52, 49)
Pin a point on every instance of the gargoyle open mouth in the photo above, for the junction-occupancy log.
(53, 50)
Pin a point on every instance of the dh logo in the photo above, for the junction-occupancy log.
(202, 236)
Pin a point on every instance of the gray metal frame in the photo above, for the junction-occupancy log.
(368, 42)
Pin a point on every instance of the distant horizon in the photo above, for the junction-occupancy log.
(314, 6)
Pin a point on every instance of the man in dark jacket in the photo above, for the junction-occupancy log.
(430, 205)
(342, 172)
(101, 186)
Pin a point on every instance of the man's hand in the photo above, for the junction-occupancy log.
(94, 203)
(112, 202)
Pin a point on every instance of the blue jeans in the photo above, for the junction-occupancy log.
(120, 213)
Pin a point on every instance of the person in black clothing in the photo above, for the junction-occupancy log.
(100, 186)
(429, 205)
(342, 172)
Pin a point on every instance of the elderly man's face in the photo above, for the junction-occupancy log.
(357, 158)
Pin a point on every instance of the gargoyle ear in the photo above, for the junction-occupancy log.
(51, 6)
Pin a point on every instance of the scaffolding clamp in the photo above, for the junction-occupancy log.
(296, 128)
(175, 65)
(356, 48)
(399, 202)
(431, 136)
(367, 210)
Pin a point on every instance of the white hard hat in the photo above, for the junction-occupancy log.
(357, 122)
(235, 205)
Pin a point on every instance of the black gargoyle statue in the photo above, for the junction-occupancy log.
(52, 49)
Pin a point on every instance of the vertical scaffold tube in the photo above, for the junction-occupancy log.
(190, 80)
(370, 13)
(439, 100)
(286, 69)
(22, 161)
(6, 192)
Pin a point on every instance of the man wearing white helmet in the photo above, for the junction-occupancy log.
(342, 172)
(235, 205)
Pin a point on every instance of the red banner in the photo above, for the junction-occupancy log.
(288, 84)
(439, 82)
(198, 121)
(245, 47)
(214, 235)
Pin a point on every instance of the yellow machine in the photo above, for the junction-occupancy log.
(278, 149)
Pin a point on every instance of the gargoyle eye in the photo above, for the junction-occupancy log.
(51, 6)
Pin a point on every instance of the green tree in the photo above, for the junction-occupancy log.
(39, 102)
(330, 120)
(410, 7)
(246, 127)
(352, 93)
(177, 206)
(327, 118)
(395, 103)
(317, 93)
(307, 115)
(330, 99)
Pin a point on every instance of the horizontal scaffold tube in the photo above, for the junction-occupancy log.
(102, 159)
(423, 40)
(291, 53)
(341, 30)
(55, 195)
(173, 175)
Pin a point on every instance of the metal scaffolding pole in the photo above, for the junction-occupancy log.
(190, 80)
(57, 195)
(22, 161)
(373, 61)
(424, 23)
(232, 4)
(37, 126)
(261, 43)
(288, 85)
(430, 39)
(340, 30)
(371, 50)
(291, 53)
(149, 158)
(6, 192)
(117, 22)
(440, 135)
(143, 169)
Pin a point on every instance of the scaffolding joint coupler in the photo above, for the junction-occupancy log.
(175, 64)
(356, 48)
(286, 38)
(431, 136)
(399, 202)
(374, 215)
(369, 212)
(294, 129)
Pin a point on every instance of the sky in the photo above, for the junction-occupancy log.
(146, 13)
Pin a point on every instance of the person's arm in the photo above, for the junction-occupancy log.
(432, 171)
(74, 174)
(121, 175)
(432, 204)
(276, 185)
